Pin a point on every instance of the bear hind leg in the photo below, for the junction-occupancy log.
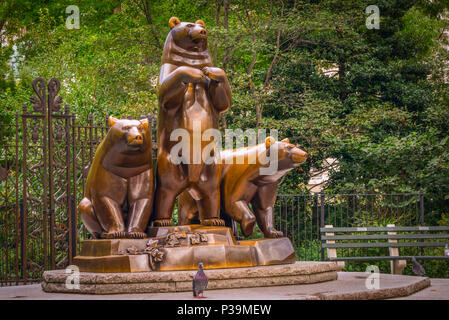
(164, 203)
(209, 210)
(187, 209)
(89, 218)
(241, 213)
(110, 216)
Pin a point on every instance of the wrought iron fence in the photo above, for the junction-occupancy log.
(44, 160)
(45, 155)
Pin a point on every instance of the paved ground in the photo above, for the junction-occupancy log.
(439, 290)
(348, 283)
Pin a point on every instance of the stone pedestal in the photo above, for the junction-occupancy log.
(176, 281)
(182, 248)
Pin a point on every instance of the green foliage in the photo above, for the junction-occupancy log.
(376, 100)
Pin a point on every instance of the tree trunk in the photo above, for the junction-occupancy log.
(217, 23)
(342, 80)
(144, 6)
(226, 13)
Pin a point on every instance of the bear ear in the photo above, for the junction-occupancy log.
(112, 121)
(269, 141)
(144, 123)
(173, 22)
(287, 140)
(201, 22)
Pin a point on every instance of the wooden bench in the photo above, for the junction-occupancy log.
(391, 237)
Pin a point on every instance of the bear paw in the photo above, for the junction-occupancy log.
(274, 234)
(137, 235)
(114, 235)
(213, 222)
(247, 226)
(215, 74)
(162, 223)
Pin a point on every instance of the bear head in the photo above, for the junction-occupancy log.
(129, 135)
(288, 155)
(186, 44)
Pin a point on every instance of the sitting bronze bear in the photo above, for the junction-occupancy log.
(119, 186)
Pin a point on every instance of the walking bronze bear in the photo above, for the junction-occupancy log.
(242, 184)
(120, 186)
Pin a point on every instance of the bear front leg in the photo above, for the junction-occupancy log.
(89, 218)
(263, 203)
(110, 216)
(219, 88)
(173, 83)
(140, 199)
(138, 217)
(264, 218)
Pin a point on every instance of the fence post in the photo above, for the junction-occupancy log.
(322, 218)
(23, 247)
(73, 229)
(421, 206)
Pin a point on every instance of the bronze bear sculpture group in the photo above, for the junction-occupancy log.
(121, 198)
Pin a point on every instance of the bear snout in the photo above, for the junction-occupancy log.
(299, 156)
(198, 33)
(134, 137)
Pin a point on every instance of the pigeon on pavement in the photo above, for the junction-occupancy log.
(199, 282)
(417, 268)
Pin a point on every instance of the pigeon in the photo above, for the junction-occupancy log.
(417, 268)
(199, 282)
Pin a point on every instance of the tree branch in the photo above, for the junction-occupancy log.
(144, 6)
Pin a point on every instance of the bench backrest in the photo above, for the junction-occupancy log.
(328, 234)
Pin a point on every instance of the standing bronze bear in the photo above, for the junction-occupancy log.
(120, 186)
(190, 90)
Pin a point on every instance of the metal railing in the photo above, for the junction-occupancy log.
(44, 160)
(300, 216)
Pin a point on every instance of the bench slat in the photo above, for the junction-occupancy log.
(387, 258)
(385, 229)
(383, 244)
(386, 236)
